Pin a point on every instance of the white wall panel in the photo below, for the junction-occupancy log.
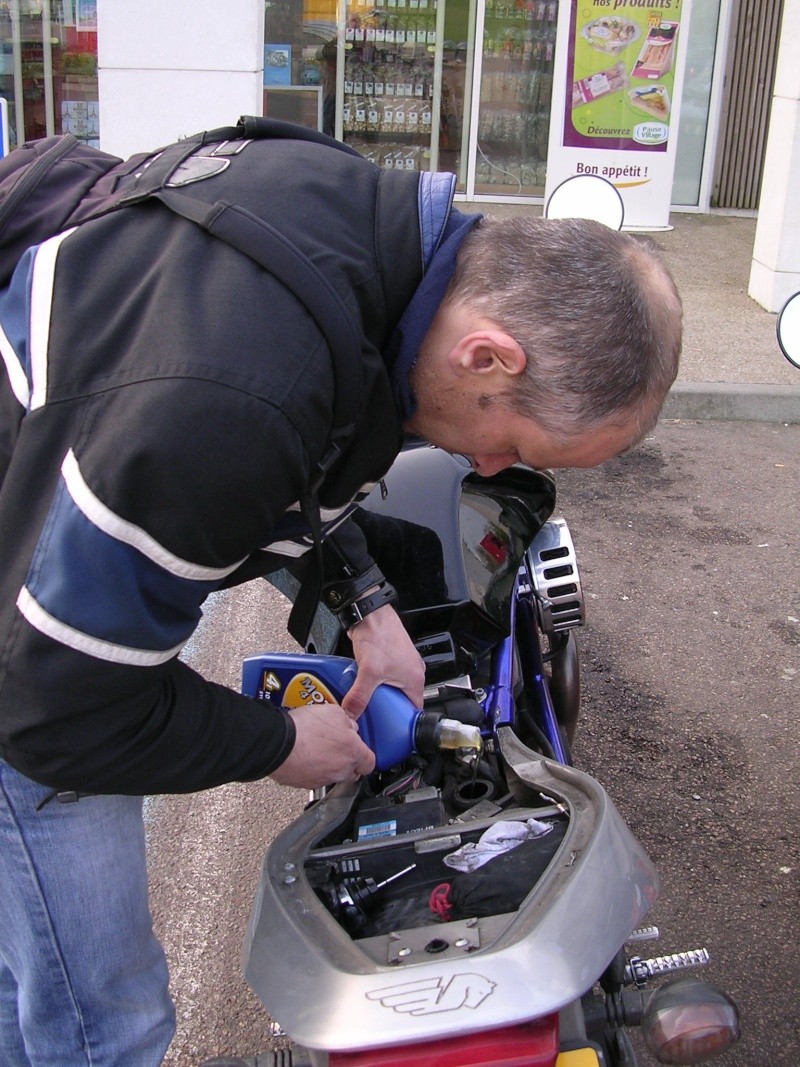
(775, 272)
(139, 113)
(169, 69)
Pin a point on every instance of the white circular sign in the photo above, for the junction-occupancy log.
(587, 196)
(789, 330)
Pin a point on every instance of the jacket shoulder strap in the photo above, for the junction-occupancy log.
(270, 249)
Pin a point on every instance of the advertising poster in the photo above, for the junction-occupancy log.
(617, 113)
(277, 64)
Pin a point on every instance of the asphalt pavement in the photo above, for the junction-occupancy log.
(688, 552)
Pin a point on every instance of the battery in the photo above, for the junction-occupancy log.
(385, 817)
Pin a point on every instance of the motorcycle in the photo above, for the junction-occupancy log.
(473, 900)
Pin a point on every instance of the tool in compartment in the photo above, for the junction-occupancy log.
(355, 893)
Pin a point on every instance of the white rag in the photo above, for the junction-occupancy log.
(499, 838)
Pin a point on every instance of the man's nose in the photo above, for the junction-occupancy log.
(492, 464)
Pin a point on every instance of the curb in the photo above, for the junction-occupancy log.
(733, 401)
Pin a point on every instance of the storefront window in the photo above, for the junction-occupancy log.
(519, 41)
(392, 106)
(395, 80)
(449, 85)
(387, 79)
(300, 61)
(48, 68)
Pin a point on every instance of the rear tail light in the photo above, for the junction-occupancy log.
(533, 1044)
(688, 1022)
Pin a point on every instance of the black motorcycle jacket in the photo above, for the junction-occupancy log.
(165, 405)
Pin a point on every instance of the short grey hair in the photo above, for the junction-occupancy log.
(595, 311)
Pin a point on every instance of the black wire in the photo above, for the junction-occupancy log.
(556, 649)
(532, 726)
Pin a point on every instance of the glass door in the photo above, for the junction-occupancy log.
(511, 109)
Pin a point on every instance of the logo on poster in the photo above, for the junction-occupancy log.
(650, 133)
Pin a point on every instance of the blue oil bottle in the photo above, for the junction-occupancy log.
(391, 726)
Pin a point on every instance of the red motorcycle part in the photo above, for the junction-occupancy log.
(439, 901)
(533, 1044)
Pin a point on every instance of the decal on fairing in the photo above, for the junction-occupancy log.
(433, 995)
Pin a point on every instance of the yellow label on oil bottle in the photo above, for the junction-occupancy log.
(305, 689)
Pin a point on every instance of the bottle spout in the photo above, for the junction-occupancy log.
(433, 733)
(452, 734)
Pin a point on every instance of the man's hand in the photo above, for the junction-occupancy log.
(384, 653)
(327, 749)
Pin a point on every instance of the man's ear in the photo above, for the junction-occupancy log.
(488, 351)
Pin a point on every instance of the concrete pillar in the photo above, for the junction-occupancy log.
(167, 70)
(775, 270)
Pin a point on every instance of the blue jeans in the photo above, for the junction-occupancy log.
(83, 980)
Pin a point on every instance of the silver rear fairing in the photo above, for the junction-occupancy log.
(330, 992)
